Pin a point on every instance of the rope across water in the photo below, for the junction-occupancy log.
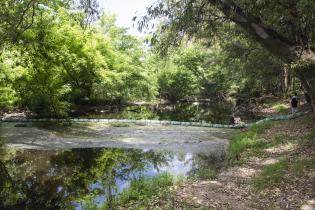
(156, 122)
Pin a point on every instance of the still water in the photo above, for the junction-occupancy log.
(218, 112)
(66, 179)
(44, 166)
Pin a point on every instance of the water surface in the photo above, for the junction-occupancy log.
(64, 179)
(212, 112)
(57, 166)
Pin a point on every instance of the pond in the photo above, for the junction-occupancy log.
(53, 166)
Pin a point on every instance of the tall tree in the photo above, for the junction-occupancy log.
(284, 27)
(19, 16)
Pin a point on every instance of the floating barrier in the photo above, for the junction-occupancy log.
(161, 122)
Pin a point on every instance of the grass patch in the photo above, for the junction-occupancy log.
(299, 167)
(280, 108)
(206, 174)
(308, 140)
(279, 139)
(271, 176)
(250, 139)
(261, 128)
(283, 171)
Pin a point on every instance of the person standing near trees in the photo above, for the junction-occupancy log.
(294, 103)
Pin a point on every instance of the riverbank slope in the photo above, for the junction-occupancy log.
(270, 166)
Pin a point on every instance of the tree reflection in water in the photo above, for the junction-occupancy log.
(62, 179)
(214, 112)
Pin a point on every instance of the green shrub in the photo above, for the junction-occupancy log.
(176, 83)
(47, 97)
(8, 98)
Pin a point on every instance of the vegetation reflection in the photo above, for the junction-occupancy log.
(60, 179)
(94, 178)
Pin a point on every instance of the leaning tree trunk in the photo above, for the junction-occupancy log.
(300, 58)
(306, 75)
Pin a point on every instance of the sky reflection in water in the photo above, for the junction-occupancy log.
(59, 179)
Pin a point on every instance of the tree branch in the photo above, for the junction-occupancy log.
(22, 16)
(266, 36)
(30, 24)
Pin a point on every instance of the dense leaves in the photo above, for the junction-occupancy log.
(59, 64)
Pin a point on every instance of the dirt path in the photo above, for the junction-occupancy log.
(230, 190)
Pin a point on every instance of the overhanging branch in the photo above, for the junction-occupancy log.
(266, 36)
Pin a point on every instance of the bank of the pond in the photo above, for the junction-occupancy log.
(270, 166)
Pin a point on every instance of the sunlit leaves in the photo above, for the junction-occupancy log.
(59, 65)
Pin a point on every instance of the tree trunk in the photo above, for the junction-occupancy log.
(307, 78)
(286, 80)
(302, 58)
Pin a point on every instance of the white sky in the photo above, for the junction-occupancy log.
(126, 10)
